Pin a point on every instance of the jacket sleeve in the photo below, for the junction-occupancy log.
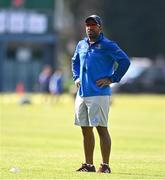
(76, 64)
(122, 61)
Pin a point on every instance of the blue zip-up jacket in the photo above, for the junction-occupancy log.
(93, 62)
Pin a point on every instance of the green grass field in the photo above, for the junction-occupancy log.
(42, 141)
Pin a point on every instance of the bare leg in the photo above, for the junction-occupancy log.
(89, 144)
(105, 143)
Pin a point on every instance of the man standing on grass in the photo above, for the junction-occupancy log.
(93, 72)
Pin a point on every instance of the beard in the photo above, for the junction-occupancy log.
(92, 34)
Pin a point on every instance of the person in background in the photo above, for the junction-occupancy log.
(93, 72)
(56, 84)
(44, 79)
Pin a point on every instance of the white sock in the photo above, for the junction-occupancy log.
(105, 164)
(90, 165)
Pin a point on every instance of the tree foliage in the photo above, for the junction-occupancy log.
(138, 26)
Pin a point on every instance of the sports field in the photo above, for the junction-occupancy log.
(41, 140)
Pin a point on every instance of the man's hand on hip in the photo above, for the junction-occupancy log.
(103, 82)
(77, 83)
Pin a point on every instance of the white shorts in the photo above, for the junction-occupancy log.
(92, 111)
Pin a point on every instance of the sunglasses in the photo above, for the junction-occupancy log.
(91, 24)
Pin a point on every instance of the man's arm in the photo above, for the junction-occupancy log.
(76, 67)
(123, 64)
(122, 61)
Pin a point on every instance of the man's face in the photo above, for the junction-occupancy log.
(92, 29)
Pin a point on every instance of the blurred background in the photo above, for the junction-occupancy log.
(38, 38)
(37, 41)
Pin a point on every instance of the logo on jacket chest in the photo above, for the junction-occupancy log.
(98, 46)
(84, 47)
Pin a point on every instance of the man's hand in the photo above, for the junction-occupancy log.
(103, 82)
(77, 83)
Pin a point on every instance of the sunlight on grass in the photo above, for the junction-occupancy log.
(40, 138)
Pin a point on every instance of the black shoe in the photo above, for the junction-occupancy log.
(104, 169)
(86, 168)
